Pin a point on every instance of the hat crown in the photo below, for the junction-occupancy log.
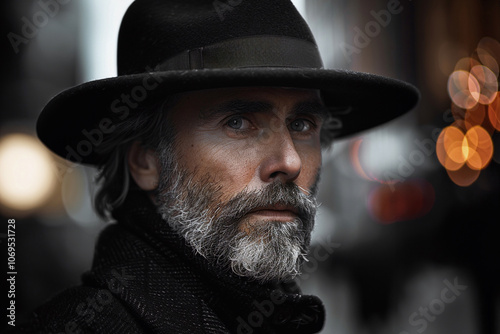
(153, 31)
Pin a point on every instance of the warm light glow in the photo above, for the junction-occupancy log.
(475, 116)
(488, 84)
(466, 147)
(26, 176)
(454, 148)
(480, 148)
(355, 161)
(362, 169)
(488, 61)
(464, 89)
(449, 148)
(465, 64)
(464, 176)
(491, 46)
(403, 201)
(494, 113)
(457, 112)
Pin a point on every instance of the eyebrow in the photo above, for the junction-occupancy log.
(312, 107)
(236, 106)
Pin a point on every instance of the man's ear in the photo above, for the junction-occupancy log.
(143, 166)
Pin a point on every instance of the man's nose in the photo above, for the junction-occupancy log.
(281, 159)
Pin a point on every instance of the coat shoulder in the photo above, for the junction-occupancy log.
(81, 309)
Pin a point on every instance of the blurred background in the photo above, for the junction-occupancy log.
(405, 239)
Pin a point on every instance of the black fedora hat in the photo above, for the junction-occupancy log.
(169, 46)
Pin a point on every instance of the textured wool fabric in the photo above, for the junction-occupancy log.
(145, 279)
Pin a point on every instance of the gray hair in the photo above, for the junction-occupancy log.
(148, 126)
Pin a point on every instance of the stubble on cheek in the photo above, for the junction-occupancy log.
(228, 168)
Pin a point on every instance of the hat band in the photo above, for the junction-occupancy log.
(252, 51)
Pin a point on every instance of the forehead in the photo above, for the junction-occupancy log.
(197, 102)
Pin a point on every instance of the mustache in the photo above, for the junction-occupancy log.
(274, 194)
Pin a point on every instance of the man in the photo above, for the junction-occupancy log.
(209, 146)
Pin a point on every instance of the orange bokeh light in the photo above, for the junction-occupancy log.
(449, 148)
(466, 147)
(488, 84)
(355, 161)
(480, 148)
(494, 113)
(487, 60)
(468, 118)
(464, 176)
(465, 64)
(475, 116)
(491, 46)
(400, 202)
(457, 112)
(464, 89)
(454, 148)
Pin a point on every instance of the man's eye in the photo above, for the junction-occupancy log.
(237, 123)
(300, 125)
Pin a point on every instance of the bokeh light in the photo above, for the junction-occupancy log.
(474, 116)
(480, 148)
(464, 89)
(355, 160)
(494, 113)
(26, 176)
(466, 147)
(368, 161)
(457, 112)
(77, 191)
(466, 63)
(491, 46)
(488, 84)
(454, 148)
(401, 202)
(449, 148)
(488, 60)
(463, 176)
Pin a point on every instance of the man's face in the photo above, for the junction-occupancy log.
(238, 181)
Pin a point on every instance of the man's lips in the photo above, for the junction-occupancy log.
(282, 212)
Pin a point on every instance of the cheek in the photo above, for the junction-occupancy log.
(230, 164)
(311, 164)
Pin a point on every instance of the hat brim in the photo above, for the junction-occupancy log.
(359, 101)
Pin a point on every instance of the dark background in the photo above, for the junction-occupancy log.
(395, 246)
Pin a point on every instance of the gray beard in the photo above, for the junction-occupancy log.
(220, 231)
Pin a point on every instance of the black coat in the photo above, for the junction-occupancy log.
(145, 279)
